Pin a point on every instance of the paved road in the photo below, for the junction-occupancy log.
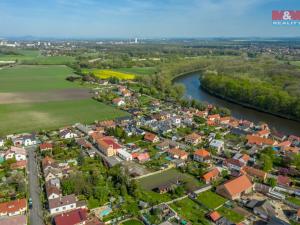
(36, 212)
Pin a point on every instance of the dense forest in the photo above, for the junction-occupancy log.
(264, 83)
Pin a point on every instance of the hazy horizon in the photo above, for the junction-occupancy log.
(144, 18)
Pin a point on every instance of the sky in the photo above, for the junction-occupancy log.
(144, 18)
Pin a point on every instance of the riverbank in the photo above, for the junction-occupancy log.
(246, 105)
(192, 85)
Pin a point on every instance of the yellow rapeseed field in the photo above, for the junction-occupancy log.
(105, 74)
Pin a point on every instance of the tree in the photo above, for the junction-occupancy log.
(272, 182)
(267, 162)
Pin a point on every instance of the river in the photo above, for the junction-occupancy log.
(192, 84)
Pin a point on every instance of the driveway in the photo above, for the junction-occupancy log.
(36, 212)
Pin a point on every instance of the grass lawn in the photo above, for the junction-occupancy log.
(294, 200)
(153, 181)
(138, 70)
(211, 199)
(190, 211)
(23, 117)
(35, 78)
(132, 222)
(231, 215)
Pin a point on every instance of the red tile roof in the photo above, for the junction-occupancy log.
(238, 185)
(45, 146)
(143, 156)
(211, 174)
(71, 218)
(14, 220)
(150, 137)
(283, 180)
(178, 152)
(13, 206)
(214, 216)
(256, 140)
(19, 165)
(202, 153)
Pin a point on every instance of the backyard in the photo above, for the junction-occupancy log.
(191, 211)
(211, 200)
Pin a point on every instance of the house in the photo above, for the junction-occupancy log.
(260, 141)
(22, 164)
(118, 102)
(67, 134)
(108, 146)
(211, 176)
(176, 120)
(143, 157)
(217, 144)
(167, 186)
(201, 155)
(74, 217)
(24, 140)
(48, 163)
(263, 133)
(46, 146)
(234, 165)
(62, 204)
(233, 189)
(214, 216)
(123, 154)
(107, 124)
(15, 152)
(225, 120)
(52, 191)
(151, 137)
(193, 139)
(87, 130)
(177, 153)
(264, 209)
(255, 173)
(284, 181)
(54, 182)
(13, 208)
(244, 158)
(52, 173)
(14, 220)
(214, 118)
(163, 146)
(1, 142)
(84, 144)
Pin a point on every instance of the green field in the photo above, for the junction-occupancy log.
(35, 78)
(294, 200)
(16, 118)
(138, 70)
(150, 182)
(211, 200)
(34, 57)
(132, 222)
(191, 211)
(20, 55)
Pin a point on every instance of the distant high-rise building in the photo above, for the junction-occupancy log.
(136, 40)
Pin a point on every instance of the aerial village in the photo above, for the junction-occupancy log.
(162, 164)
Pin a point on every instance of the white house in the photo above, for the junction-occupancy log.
(123, 154)
(62, 204)
(24, 140)
(176, 120)
(15, 152)
(1, 142)
(67, 134)
(217, 144)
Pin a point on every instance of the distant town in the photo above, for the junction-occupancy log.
(96, 132)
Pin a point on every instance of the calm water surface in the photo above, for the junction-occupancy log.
(193, 90)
